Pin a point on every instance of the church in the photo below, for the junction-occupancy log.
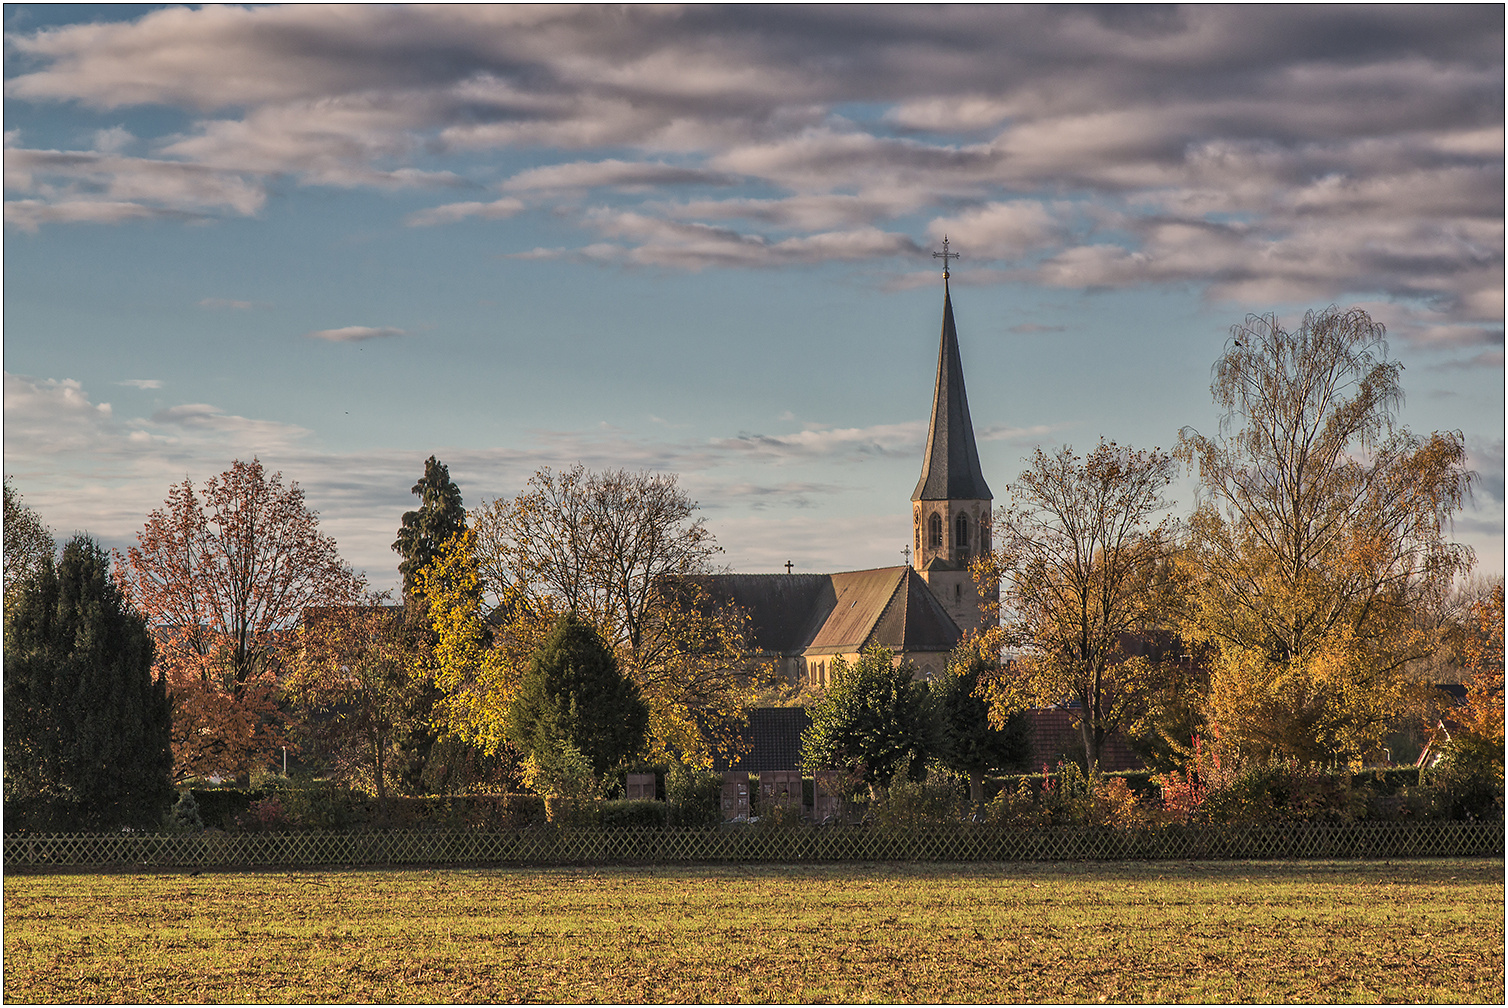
(803, 622)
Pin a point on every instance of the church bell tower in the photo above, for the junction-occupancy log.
(950, 508)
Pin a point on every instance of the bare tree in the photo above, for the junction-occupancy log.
(1080, 566)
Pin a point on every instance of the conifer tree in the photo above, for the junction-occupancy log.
(439, 518)
(966, 740)
(87, 727)
(575, 696)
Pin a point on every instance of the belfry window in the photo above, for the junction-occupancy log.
(961, 533)
(934, 531)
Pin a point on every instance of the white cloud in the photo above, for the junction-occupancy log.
(450, 213)
(226, 303)
(356, 333)
(142, 383)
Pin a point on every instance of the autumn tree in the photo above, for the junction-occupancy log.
(966, 741)
(223, 577)
(351, 675)
(1082, 568)
(612, 548)
(575, 706)
(1322, 536)
(874, 722)
(29, 547)
(86, 723)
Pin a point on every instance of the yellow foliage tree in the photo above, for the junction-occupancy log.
(1321, 539)
(1081, 568)
(613, 548)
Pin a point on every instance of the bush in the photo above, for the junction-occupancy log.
(631, 813)
(220, 807)
(908, 804)
(694, 798)
(183, 817)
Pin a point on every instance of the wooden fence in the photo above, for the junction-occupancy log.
(963, 842)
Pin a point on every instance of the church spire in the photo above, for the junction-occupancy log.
(950, 470)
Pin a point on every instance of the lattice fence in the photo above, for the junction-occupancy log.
(964, 842)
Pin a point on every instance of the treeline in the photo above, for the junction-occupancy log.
(543, 642)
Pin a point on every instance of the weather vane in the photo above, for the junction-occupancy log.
(945, 255)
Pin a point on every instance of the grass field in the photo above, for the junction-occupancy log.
(1170, 931)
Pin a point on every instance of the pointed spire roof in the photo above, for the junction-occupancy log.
(950, 470)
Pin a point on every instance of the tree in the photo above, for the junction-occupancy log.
(1082, 569)
(1322, 538)
(223, 579)
(874, 722)
(86, 723)
(574, 703)
(421, 538)
(352, 674)
(613, 549)
(966, 740)
(424, 532)
(29, 547)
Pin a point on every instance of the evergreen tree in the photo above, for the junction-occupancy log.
(874, 721)
(440, 517)
(87, 727)
(574, 699)
(966, 741)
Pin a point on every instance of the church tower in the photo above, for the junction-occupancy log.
(950, 508)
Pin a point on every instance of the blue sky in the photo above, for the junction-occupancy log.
(697, 240)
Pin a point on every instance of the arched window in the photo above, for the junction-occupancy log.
(934, 530)
(961, 533)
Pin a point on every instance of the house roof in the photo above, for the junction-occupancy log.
(771, 741)
(950, 470)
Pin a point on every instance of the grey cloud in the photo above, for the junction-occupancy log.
(613, 173)
(1261, 152)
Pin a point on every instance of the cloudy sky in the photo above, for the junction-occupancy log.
(698, 240)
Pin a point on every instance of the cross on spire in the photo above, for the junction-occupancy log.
(788, 566)
(945, 255)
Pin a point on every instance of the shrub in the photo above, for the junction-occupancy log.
(634, 813)
(694, 797)
(183, 817)
(266, 815)
(909, 804)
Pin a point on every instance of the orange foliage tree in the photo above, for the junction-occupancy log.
(223, 577)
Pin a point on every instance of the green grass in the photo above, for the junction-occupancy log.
(1168, 931)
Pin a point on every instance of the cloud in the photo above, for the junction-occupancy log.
(142, 383)
(615, 174)
(226, 303)
(356, 333)
(452, 212)
(1259, 154)
(887, 440)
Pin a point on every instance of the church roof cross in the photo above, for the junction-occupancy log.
(945, 255)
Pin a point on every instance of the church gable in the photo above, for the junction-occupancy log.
(915, 620)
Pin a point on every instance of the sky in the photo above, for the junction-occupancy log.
(698, 240)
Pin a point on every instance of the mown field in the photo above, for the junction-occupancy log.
(1427, 930)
